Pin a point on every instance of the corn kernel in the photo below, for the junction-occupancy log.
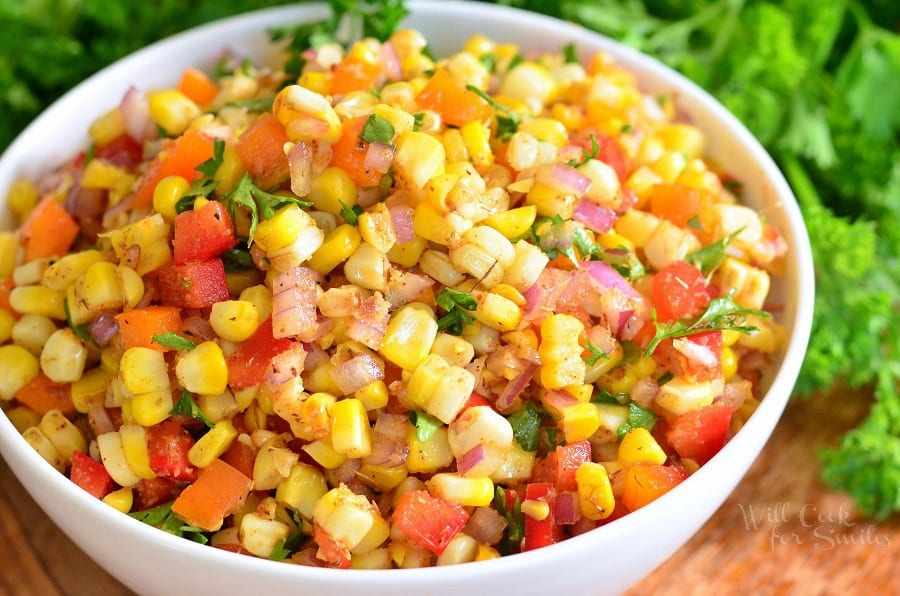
(203, 370)
(172, 110)
(107, 127)
(373, 396)
(134, 445)
(332, 191)
(639, 447)
(595, 494)
(350, 430)
(167, 193)
(38, 300)
(418, 158)
(324, 454)
(229, 172)
(339, 245)
(151, 407)
(22, 197)
(121, 499)
(579, 421)
(304, 113)
(409, 336)
(144, 370)
(234, 320)
(469, 492)
(428, 456)
(301, 489)
(213, 444)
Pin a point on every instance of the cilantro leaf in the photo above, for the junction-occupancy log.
(425, 425)
(186, 406)
(377, 130)
(418, 118)
(605, 397)
(638, 417)
(515, 521)
(708, 258)
(350, 214)
(455, 303)
(258, 202)
(279, 552)
(165, 519)
(173, 340)
(570, 55)
(508, 120)
(586, 156)
(526, 425)
(596, 354)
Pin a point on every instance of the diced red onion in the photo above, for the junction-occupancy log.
(391, 425)
(406, 288)
(610, 278)
(135, 110)
(514, 388)
(566, 511)
(356, 373)
(369, 322)
(564, 178)
(532, 298)
(624, 316)
(599, 219)
(402, 222)
(735, 393)
(644, 391)
(300, 162)
(485, 525)
(103, 328)
(695, 352)
(322, 155)
(559, 400)
(132, 256)
(387, 452)
(294, 304)
(366, 197)
(199, 328)
(390, 62)
(314, 357)
(470, 459)
(379, 157)
(286, 366)
(344, 473)
(99, 419)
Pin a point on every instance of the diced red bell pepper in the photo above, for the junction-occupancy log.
(203, 233)
(168, 444)
(247, 365)
(332, 553)
(90, 475)
(559, 466)
(430, 522)
(540, 532)
(700, 434)
(191, 285)
(679, 290)
(241, 457)
(122, 151)
(152, 492)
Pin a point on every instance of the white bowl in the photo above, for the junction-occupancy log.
(606, 560)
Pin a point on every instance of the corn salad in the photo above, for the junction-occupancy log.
(394, 312)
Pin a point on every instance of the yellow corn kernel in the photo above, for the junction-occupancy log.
(469, 492)
(750, 284)
(9, 253)
(319, 82)
(320, 380)
(476, 138)
(32, 332)
(381, 478)
(134, 444)
(401, 120)
(367, 267)
(418, 158)
(38, 300)
(234, 320)
(496, 311)
(303, 113)
(229, 172)
(538, 510)
(151, 234)
(113, 457)
(32, 272)
(618, 380)
(351, 520)
(261, 297)
(64, 356)
(581, 392)
(526, 267)
(561, 362)
(670, 166)
(199, 203)
(99, 174)
(549, 202)
(64, 272)
(595, 494)
(22, 197)
(151, 407)
(121, 499)
(768, 337)
(462, 548)
(431, 225)
(350, 430)
(109, 359)
(612, 416)
(19, 367)
(376, 227)
(439, 388)
(213, 444)
(273, 462)
(639, 447)
(530, 83)
(680, 395)
(64, 435)
(283, 229)
(338, 246)
(23, 418)
(107, 127)
(7, 321)
(260, 535)
(203, 369)
(513, 223)
(172, 110)
(144, 370)
(428, 456)
(455, 350)
(380, 558)
(683, 138)
(40, 443)
(407, 254)
(729, 363)
(218, 407)
(373, 396)
(486, 553)
(301, 489)
(332, 190)
(324, 454)
(167, 193)
(409, 336)
(579, 421)
(546, 129)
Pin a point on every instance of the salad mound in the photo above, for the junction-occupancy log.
(371, 309)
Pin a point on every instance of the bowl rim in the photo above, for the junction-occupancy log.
(752, 436)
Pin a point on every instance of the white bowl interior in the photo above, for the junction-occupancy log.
(606, 560)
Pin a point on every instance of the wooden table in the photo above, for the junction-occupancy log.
(781, 532)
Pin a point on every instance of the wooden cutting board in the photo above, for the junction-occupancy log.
(781, 532)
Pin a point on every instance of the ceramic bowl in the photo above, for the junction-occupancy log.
(606, 560)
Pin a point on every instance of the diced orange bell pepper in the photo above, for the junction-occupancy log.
(198, 87)
(261, 150)
(677, 203)
(48, 230)
(179, 159)
(349, 154)
(138, 326)
(456, 104)
(354, 75)
(217, 490)
(42, 395)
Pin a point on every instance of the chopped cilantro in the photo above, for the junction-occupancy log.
(694, 223)
(279, 552)
(526, 425)
(350, 214)
(425, 425)
(186, 406)
(638, 417)
(165, 519)
(665, 378)
(257, 202)
(455, 305)
(587, 156)
(570, 55)
(418, 118)
(508, 120)
(377, 130)
(596, 354)
(626, 128)
(706, 259)
(515, 521)
(207, 183)
(260, 105)
(174, 341)
(605, 397)
(237, 259)
(489, 61)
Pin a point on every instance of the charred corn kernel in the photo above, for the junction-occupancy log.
(234, 320)
(167, 193)
(113, 457)
(38, 300)
(438, 190)
(376, 228)
(9, 249)
(350, 430)
(22, 197)
(64, 272)
(428, 456)
(143, 370)
(351, 520)
(213, 444)
(19, 367)
(409, 336)
(101, 175)
(680, 395)
(546, 129)
(151, 234)
(32, 272)
(579, 421)
(373, 396)
(64, 435)
(669, 243)
(203, 369)
(595, 495)
(513, 223)
(64, 356)
(530, 83)
(750, 284)
(306, 115)
(407, 254)
(537, 510)
(418, 158)
(550, 202)
(273, 462)
(561, 362)
(526, 267)
(301, 489)
(121, 499)
(100, 288)
(137, 455)
(431, 225)
(332, 190)
(367, 267)
(339, 246)
(32, 332)
(639, 447)
(172, 110)
(439, 388)
(381, 478)
(107, 127)
(469, 492)
(109, 359)
(151, 407)
(40, 443)
(455, 350)
(260, 535)
(324, 454)
(497, 312)
(618, 380)
(729, 363)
